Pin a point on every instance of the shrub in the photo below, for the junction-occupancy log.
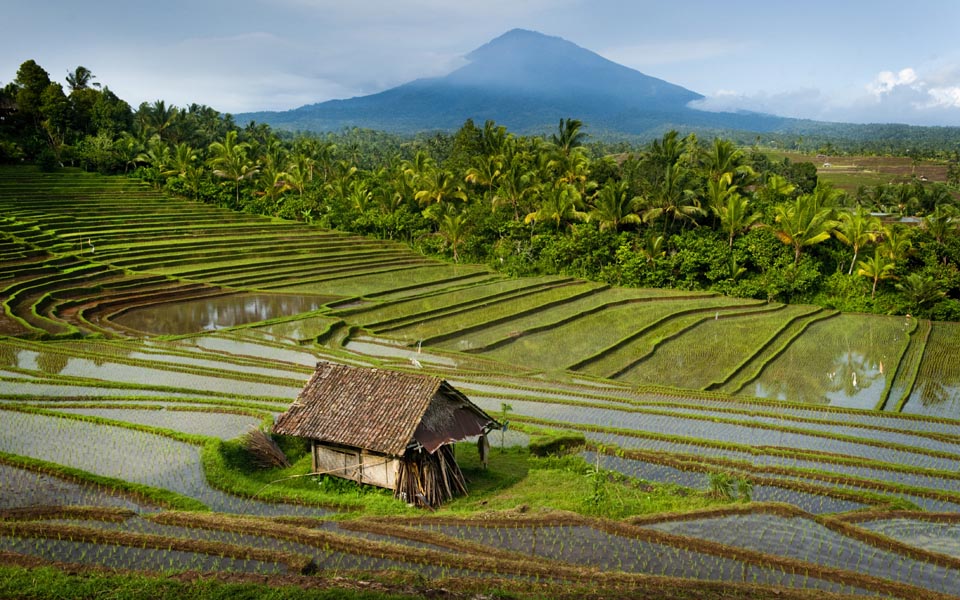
(556, 443)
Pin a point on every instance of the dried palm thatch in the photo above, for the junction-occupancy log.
(428, 479)
(264, 451)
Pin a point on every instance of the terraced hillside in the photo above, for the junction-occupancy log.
(143, 333)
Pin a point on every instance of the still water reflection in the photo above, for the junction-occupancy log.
(844, 361)
(209, 314)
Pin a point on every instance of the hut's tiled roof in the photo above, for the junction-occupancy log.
(379, 410)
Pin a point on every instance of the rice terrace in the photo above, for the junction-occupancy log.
(714, 446)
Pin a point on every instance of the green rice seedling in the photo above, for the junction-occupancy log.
(844, 361)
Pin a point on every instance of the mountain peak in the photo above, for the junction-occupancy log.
(523, 79)
(531, 62)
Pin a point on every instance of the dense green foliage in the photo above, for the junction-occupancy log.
(678, 212)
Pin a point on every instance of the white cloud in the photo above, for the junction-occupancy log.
(886, 81)
(905, 96)
(947, 96)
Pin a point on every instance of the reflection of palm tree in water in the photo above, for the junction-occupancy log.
(856, 368)
(932, 392)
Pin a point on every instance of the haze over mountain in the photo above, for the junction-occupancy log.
(526, 81)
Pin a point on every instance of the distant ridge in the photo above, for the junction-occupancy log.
(526, 81)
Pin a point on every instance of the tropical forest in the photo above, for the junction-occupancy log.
(722, 363)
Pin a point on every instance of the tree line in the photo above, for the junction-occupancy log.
(676, 212)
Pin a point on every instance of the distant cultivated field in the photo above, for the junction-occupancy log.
(850, 172)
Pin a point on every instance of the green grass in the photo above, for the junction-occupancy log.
(573, 342)
(514, 478)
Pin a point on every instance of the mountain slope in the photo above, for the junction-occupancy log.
(526, 81)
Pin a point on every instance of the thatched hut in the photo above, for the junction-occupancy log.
(386, 428)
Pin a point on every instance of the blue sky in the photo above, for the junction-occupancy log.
(871, 61)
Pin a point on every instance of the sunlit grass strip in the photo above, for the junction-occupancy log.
(572, 339)
(462, 324)
(135, 491)
(916, 330)
(214, 373)
(651, 347)
(751, 557)
(906, 376)
(707, 464)
(751, 450)
(489, 561)
(479, 276)
(387, 309)
(70, 381)
(720, 304)
(297, 563)
(770, 426)
(842, 524)
(672, 397)
(752, 368)
(187, 438)
(384, 268)
(81, 513)
(424, 309)
(459, 324)
(938, 362)
(236, 407)
(267, 279)
(796, 313)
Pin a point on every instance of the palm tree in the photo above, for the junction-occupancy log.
(672, 199)
(665, 152)
(300, 171)
(776, 189)
(359, 195)
(418, 167)
(516, 184)
(229, 161)
(159, 118)
(157, 157)
(183, 156)
(614, 206)
(454, 228)
(735, 215)
(920, 290)
(559, 204)
(568, 136)
(941, 222)
(437, 187)
(896, 242)
(80, 79)
(574, 168)
(653, 248)
(485, 171)
(724, 158)
(857, 229)
(495, 139)
(876, 268)
(803, 223)
(905, 197)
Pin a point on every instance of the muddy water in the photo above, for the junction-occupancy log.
(210, 314)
